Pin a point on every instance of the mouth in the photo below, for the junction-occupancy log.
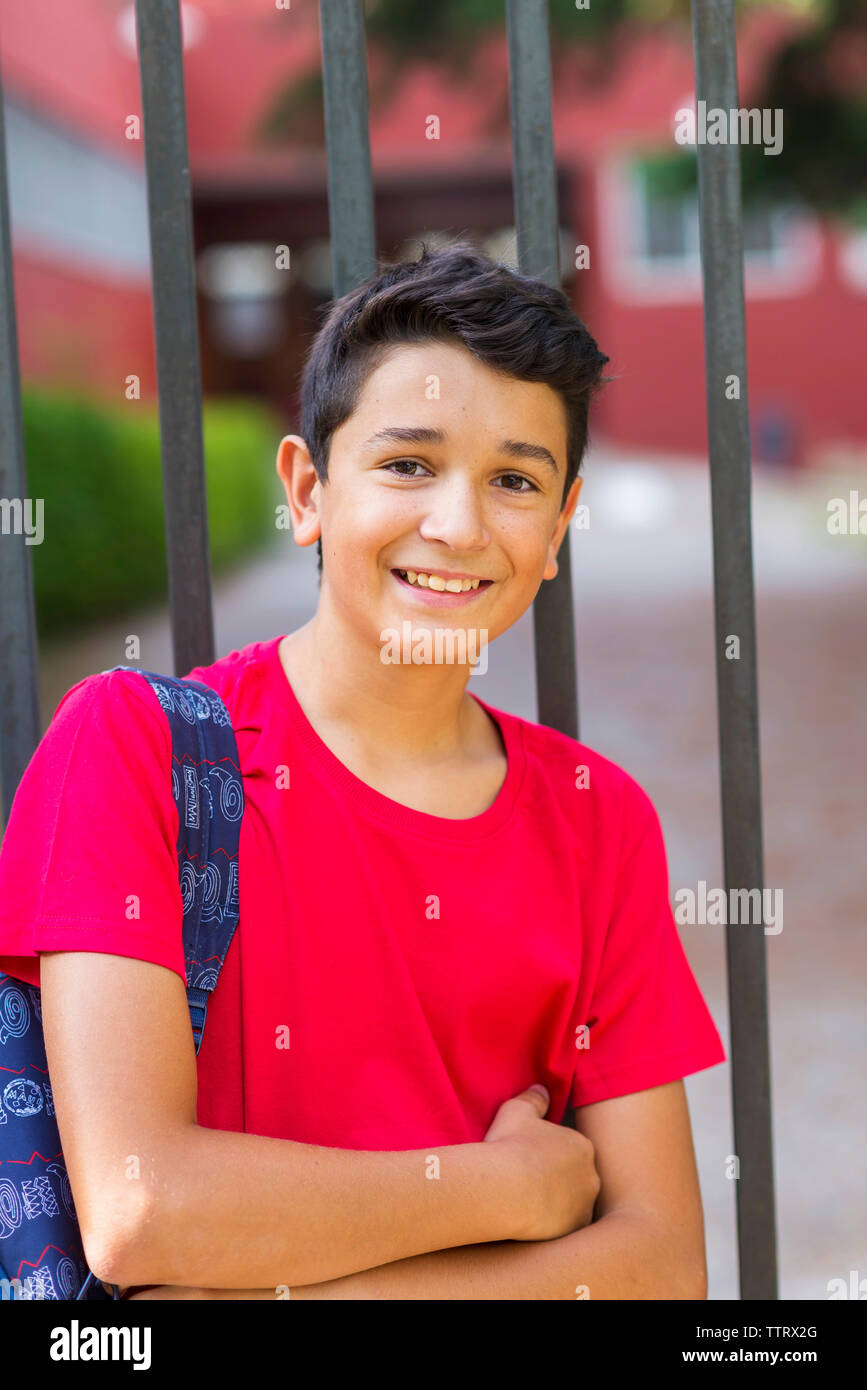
(440, 589)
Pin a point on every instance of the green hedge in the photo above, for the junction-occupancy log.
(97, 467)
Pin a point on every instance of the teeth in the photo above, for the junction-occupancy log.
(437, 583)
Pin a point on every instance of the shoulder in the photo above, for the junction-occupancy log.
(118, 708)
(566, 760)
(108, 734)
(593, 791)
(93, 826)
(110, 705)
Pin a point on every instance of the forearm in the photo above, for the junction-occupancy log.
(623, 1255)
(229, 1210)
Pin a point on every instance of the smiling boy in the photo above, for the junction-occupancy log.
(440, 903)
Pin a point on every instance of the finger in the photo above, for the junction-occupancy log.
(538, 1096)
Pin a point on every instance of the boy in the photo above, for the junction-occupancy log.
(440, 903)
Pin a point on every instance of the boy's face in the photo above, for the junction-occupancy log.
(475, 493)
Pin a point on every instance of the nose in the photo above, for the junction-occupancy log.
(456, 516)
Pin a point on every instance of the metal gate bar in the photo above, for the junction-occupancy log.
(347, 141)
(721, 229)
(19, 675)
(537, 224)
(176, 329)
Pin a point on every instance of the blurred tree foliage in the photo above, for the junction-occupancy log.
(97, 468)
(819, 81)
(818, 78)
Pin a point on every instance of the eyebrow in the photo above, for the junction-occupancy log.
(419, 434)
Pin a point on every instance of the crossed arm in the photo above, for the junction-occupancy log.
(646, 1242)
(301, 1231)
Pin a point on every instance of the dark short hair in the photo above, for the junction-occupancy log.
(509, 321)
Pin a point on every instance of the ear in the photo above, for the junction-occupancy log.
(559, 532)
(298, 475)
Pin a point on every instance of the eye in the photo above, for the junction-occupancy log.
(518, 478)
(402, 464)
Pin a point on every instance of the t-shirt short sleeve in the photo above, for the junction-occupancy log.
(649, 1023)
(88, 861)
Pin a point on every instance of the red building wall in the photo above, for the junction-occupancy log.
(805, 351)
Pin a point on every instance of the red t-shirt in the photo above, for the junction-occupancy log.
(394, 975)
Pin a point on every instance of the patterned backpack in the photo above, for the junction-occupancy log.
(41, 1251)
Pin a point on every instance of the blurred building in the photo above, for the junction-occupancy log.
(80, 236)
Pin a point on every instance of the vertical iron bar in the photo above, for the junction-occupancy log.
(737, 697)
(19, 682)
(537, 223)
(177, 342)
(347, 139)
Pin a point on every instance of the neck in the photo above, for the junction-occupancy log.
(395, 710)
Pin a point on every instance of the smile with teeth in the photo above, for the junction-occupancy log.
(437, 583)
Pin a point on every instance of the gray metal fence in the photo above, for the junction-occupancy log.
(350, 192)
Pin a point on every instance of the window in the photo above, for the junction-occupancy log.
(651, 240)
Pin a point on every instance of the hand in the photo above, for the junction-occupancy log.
(558, 1166)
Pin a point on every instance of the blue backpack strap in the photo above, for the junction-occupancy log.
(41, 1253)
(209, 796)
